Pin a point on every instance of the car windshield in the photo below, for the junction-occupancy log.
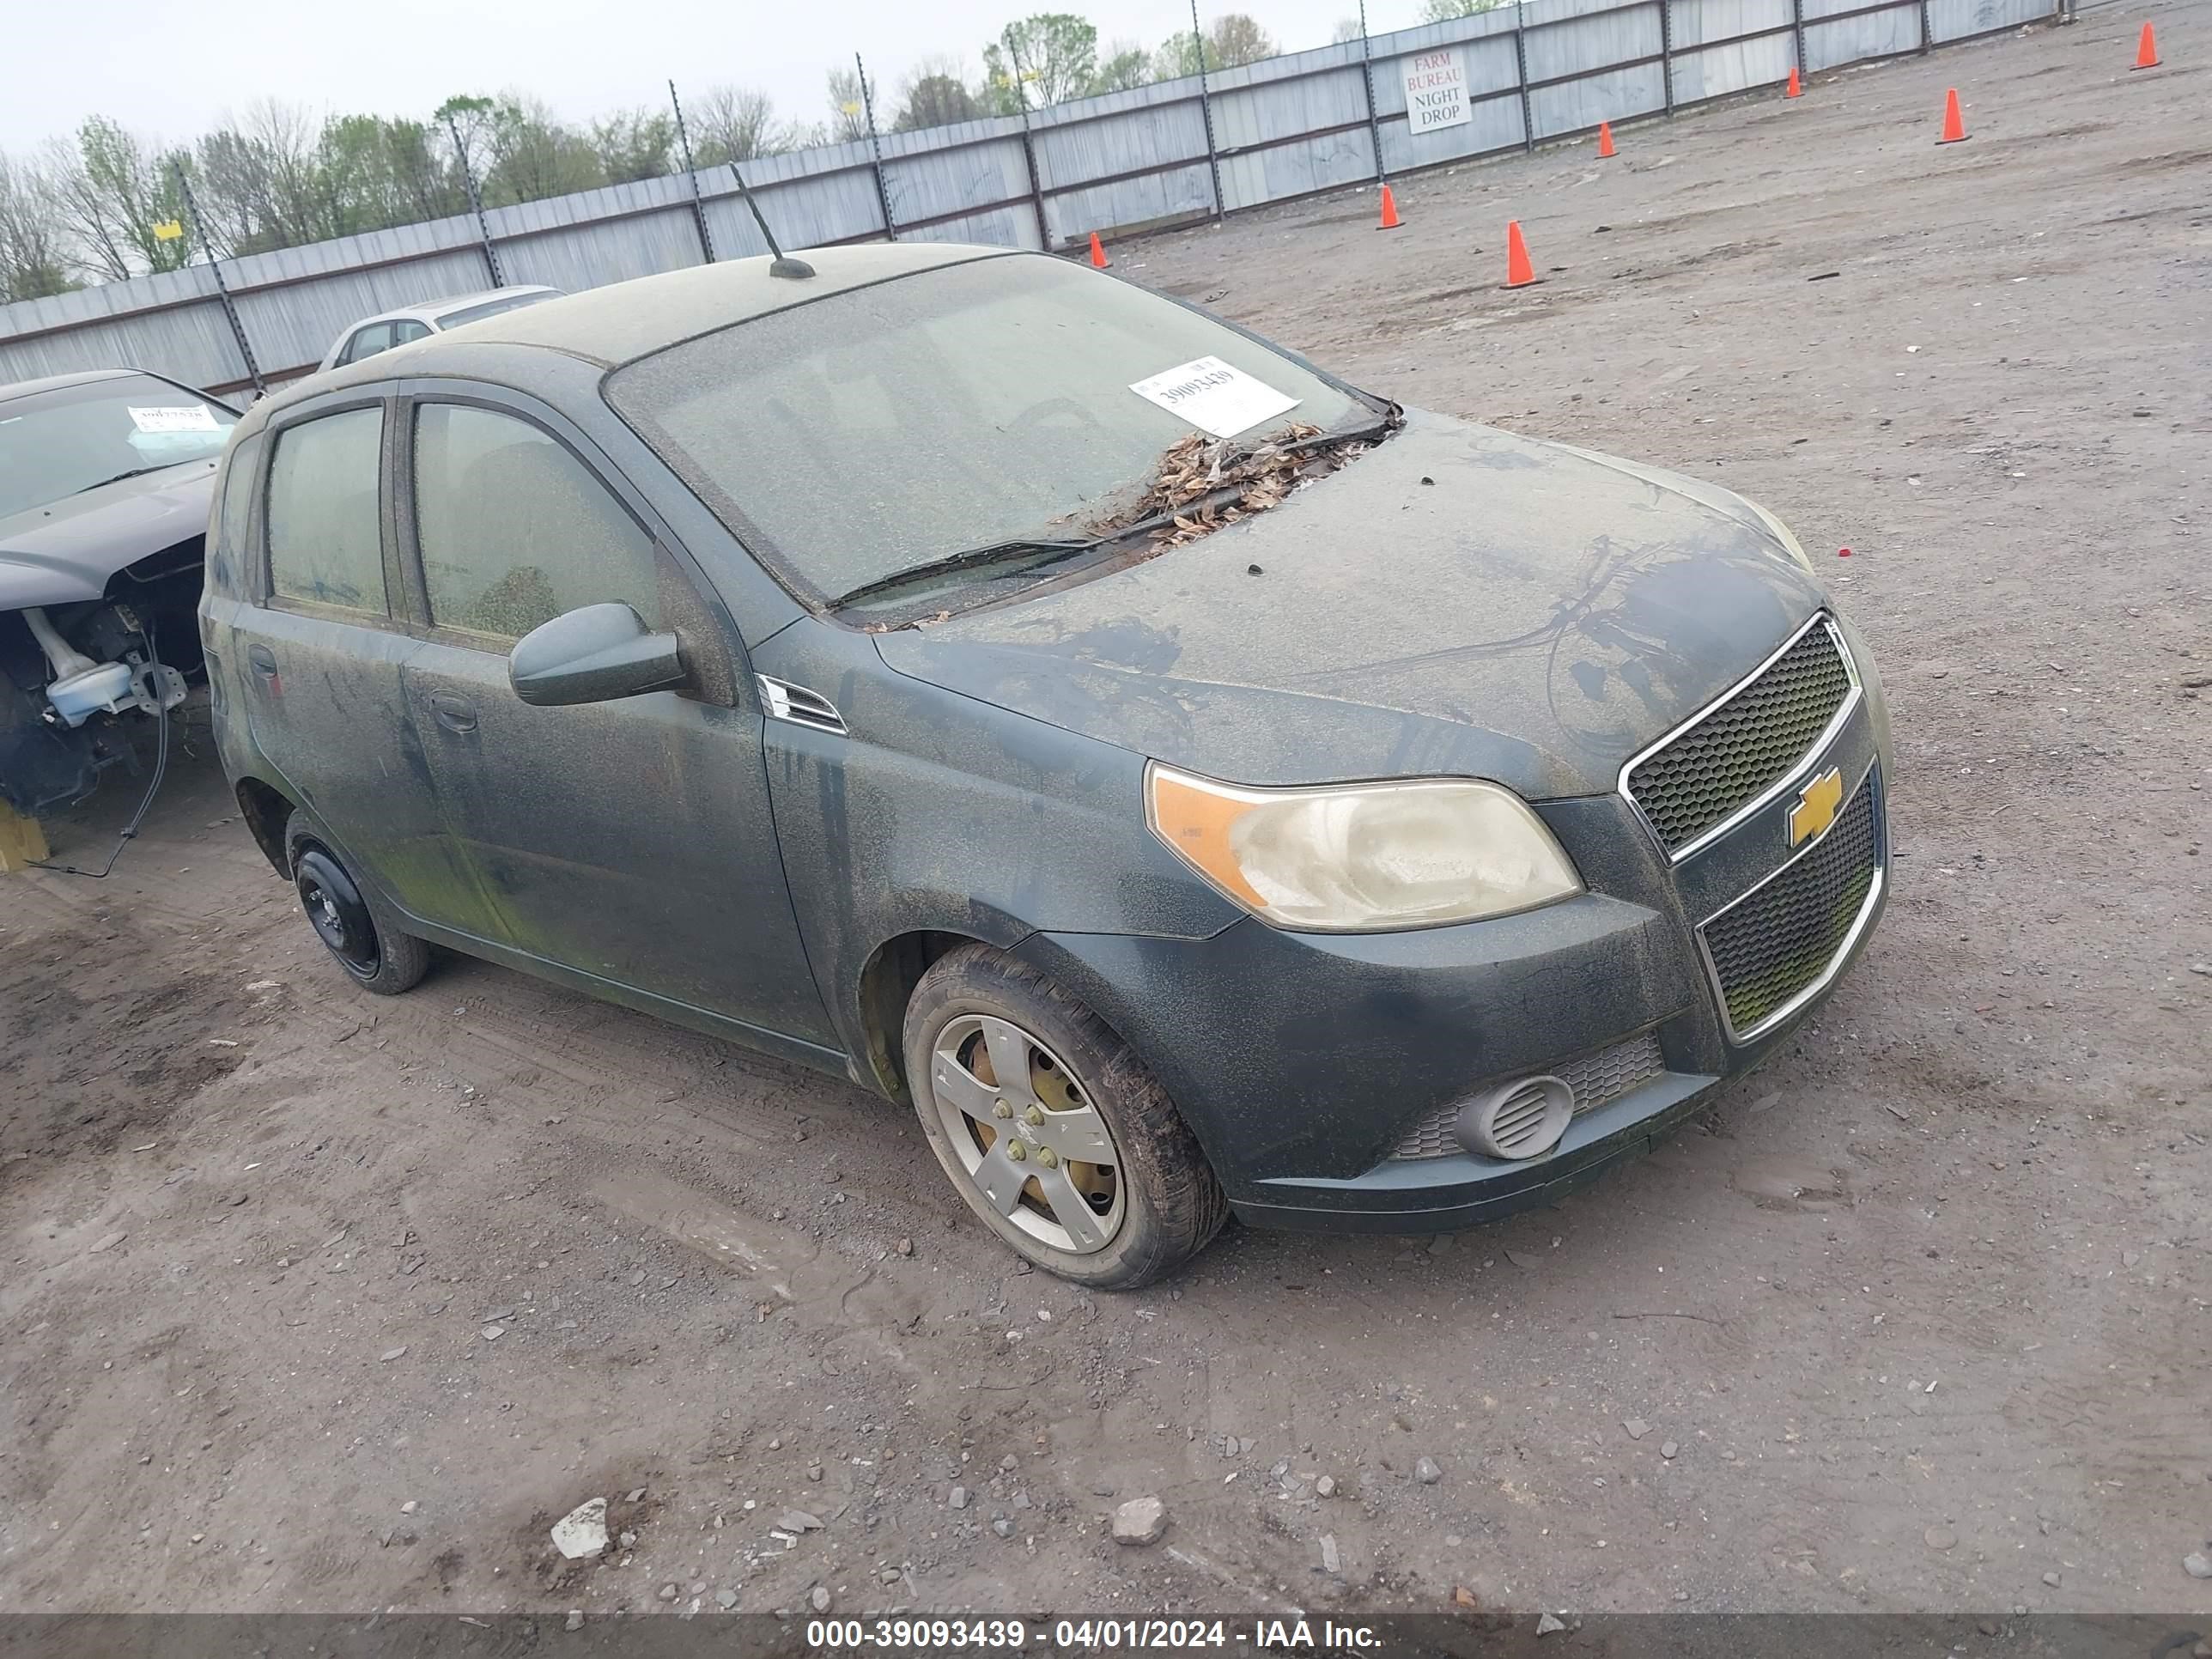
(890, 426)
(72, 439)
(477, 314)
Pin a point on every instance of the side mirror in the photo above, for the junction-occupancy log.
(595, 653)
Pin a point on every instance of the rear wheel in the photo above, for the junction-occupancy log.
(1050, 1126)
(375, 955)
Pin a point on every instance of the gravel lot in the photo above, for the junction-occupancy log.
(315, 1301)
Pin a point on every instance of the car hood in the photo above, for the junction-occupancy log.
(1460, 601)
(66, 551)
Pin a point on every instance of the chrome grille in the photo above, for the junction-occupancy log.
(1743, 746)
(1783, 935)
(1597, 1078)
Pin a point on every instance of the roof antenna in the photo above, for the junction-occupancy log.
(785, 266)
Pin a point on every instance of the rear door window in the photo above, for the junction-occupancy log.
(514, 529)
(376, 337)
(325, 537)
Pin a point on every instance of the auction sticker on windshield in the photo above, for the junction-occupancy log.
(1214, 397)
(198, 418)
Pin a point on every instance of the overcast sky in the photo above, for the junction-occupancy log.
(170, 71)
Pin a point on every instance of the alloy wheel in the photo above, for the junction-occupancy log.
(1027, 1133)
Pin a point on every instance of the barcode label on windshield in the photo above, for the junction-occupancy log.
(1214, 397)
(198, 418)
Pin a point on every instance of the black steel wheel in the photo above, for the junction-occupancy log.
(375, 955)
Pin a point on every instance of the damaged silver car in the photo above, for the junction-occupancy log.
(106, 479)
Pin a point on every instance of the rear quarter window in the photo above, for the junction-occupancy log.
(323, 532)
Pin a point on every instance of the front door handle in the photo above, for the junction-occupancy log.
(454, 713)
(262, 659)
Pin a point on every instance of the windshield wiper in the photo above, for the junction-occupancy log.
(1031, 551)
(134, 472)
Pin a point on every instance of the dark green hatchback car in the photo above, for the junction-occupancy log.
(1197, 785)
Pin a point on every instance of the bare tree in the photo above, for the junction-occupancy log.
(114, 190)
(1442, 11)
(849, 114)
(31, 262)
(736, 124)
(261, 182)
(1236, 38)
(1347, 29)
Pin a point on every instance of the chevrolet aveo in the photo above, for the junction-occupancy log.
(1197, 786)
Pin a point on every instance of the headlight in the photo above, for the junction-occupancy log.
(1781, 533)
(1364, 857)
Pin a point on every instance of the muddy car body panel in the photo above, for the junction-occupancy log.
(781, 850)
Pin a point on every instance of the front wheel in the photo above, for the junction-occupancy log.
(1051, 1127)
(376, 956)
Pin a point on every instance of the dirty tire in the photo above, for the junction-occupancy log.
(357, 930)
(1171, 1205)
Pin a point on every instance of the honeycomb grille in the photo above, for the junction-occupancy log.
(1746, 744)
(1772, 944)
(1597, 1078)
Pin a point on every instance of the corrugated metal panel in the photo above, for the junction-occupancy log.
(1953, 20)
(1850, 40)
(109, 300)
(587, 256)
(191, 344)
(945, 181)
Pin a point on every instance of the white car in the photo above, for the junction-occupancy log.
(397, 327)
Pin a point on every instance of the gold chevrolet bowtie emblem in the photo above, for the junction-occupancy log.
(1816, 806)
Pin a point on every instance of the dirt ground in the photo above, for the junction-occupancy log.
(317, 1300)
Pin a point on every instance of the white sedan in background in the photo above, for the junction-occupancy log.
(397, 327)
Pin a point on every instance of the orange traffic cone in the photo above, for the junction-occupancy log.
(1604, 139)
(2147, 50)
(1795, 89)
(1390, 211)
(1098, 253)
(1519, 273)
(1954, 125)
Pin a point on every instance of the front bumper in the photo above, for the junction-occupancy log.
(1302, 1060)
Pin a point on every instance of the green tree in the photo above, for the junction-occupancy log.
(633, 145)
(380, 173)
(935, 94)
(1234, 38)
(534, 154)
(1047, 58)
(1123, 66)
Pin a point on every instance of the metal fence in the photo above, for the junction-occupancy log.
(1173, 153)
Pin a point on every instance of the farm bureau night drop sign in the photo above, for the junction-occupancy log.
(1436, 91)
(1213, 397)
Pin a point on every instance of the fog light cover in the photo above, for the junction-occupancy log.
(1521, 1120)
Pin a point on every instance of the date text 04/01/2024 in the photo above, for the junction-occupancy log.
(1094, 1634)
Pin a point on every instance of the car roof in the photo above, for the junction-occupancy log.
(56, 382)
(431, 310)
(623, 321)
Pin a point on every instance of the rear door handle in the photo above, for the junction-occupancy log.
(454, 713)
(262, 659)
